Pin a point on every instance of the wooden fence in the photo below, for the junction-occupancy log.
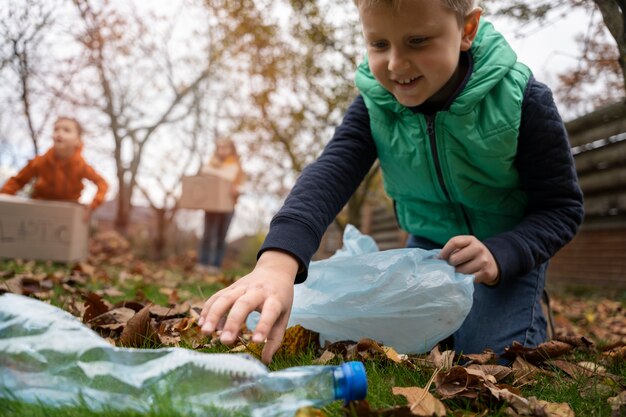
(597, 255)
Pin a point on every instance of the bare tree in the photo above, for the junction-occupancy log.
(137, 105)
(294, 117)
(601, 61)
(23, 30)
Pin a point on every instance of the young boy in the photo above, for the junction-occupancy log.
(473, 153)
(60, 171)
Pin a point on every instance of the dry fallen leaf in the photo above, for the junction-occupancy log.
(393, 355)
(459, 382)
(443, 360)
(488, 356)
(618, 404)
(139, 330)
(362, 409)
(421, 402)
(161, 312)
(94, 306)
(542, 408)
(297, 340)
(326, 357)
(499, 372)
(113, 319)
(541, 353)
(309, 412)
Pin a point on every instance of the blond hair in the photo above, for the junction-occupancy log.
(461, 7)
(232, 157)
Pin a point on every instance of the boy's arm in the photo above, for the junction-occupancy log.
(548, 175)
(101, 184)
(16, 183)
(323, 189)
(320, 192)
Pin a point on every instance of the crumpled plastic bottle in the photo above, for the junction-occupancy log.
(48, 356)
(404, 298)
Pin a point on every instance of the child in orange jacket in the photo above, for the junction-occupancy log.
(60, 171)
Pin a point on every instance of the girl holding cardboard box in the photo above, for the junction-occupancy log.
(225, 164)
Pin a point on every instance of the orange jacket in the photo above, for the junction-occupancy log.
(57, 179)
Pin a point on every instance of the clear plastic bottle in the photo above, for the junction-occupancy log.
(48, 356)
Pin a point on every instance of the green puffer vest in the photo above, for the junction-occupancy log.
(460, 179)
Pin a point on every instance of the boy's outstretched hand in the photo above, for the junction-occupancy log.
(469, 255)
(267, 289)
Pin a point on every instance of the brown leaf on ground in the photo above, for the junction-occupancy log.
(109, 292)
(443, 360)
(393, 356)
(616, 354)
(172, 295)
(326, 357)
(297, 340)
(343, 348)
(370, 349)
(133, 305)
(499, 372)
(38, 286)
(618, 404)
(542, 353)
(114, 319)
(540, 408)
(139, 330)
(525, 372)
(488, 356)
(161, 313)
(309, 412)
(94, 306)
(576, 341)
(362, 409)
(421, 402)
(190, 333)
(85, 269)
(12, 285)
(459, 382)
(465, 413)
(571, 369)
(516, 401)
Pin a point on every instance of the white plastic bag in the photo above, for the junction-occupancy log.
(405, 298)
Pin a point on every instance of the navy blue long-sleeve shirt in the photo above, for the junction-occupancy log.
(544, 162)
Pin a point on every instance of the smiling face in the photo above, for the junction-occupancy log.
(66, 137)
(414, 49)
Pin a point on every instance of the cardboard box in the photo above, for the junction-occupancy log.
(42, 230)
(207, 192)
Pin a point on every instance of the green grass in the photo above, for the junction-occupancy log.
(587, 396)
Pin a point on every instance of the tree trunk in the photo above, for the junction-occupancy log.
(122, 218)
(161, 233)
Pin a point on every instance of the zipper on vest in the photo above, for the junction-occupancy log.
(430, 129)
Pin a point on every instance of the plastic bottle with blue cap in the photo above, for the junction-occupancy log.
(48, 357)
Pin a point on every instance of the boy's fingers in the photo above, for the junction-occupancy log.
(216, 307)
(269, 315)
(454, 244)
(274, 339)
(238, 313)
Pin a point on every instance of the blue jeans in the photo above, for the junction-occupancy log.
(501, 314)
(213, 242)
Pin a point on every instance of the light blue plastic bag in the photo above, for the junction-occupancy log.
(405, 298)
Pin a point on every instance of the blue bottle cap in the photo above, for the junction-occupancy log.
(354, 383)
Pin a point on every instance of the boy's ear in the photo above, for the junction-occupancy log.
(470, 28)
